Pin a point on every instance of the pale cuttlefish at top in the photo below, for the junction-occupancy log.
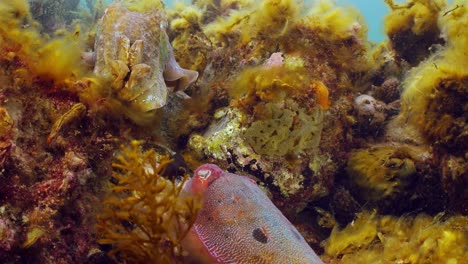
(133, 51)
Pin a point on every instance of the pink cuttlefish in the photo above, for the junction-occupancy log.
(238, 223)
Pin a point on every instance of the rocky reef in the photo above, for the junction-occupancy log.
(104, 115)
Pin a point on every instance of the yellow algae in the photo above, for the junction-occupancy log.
(143, 6)
(191, 45)
(32, 236)
(266, 19)
(223, 4)
(6, 123)
(59, 60)
(412, 28)
(54, 62)
(263, 84)
(331, 40)
(11, 11)
(188, 16)
(411, 239)
(357, 234)
(382, 172)
(159, 213)
(284, 109)
(419, 16)
(435, 92)
(337, 22)
(219, 10)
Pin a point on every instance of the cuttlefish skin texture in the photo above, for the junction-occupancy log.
(132, 50)
(238, 223)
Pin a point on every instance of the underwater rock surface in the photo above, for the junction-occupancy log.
(362, 146)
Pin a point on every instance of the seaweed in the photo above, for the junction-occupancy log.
(409, 239)
(146, 216)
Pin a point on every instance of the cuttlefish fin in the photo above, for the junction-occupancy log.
(181, 77)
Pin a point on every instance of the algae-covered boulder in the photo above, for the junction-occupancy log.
(413, 29)
(382, 171)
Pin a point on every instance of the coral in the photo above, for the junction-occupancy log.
(330, 40)
(413, 28)
(411, 239)
(276, 60)
(146, 216)
(45, 185)
(323, 54)
(366, 104)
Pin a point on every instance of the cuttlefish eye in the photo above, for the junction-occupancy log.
(204, 176)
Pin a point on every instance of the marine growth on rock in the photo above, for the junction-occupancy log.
(232, 131)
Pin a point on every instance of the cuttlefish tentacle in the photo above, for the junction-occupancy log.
(123, 44)
(134, 84)
(119, 72)
(136, 53)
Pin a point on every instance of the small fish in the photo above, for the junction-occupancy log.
(238, 223)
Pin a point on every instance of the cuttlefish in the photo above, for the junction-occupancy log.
(133, 52)
(238, 223)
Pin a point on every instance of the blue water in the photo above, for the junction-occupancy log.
(373, 11)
